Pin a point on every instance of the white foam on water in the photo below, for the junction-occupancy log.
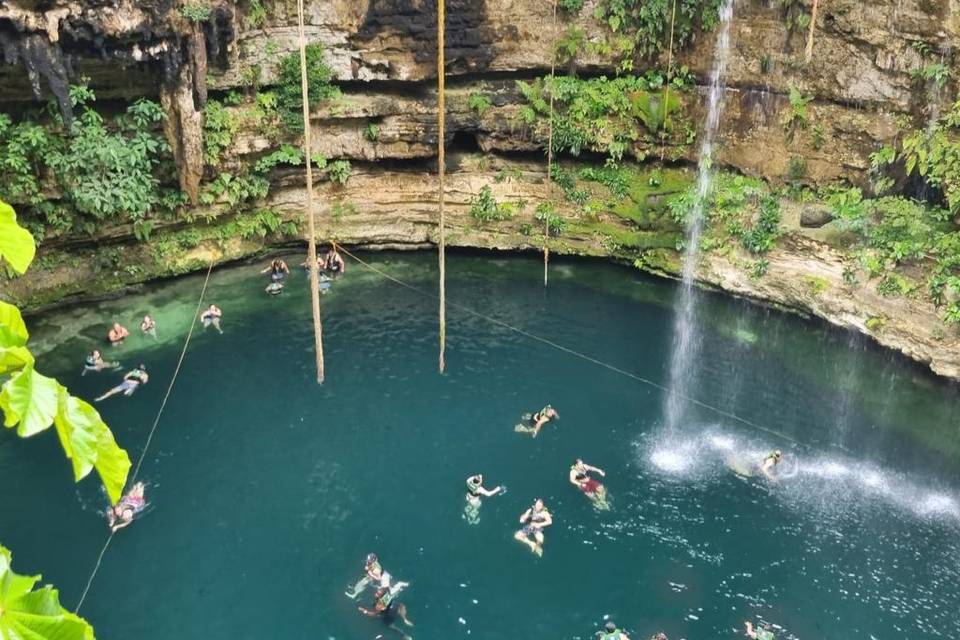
(670, 460)
(721, 442)
(937, 503)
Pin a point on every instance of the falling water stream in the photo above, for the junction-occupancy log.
(685, 341)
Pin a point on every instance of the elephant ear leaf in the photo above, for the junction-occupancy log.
(34, 615)
(17, 247)
(29, 401)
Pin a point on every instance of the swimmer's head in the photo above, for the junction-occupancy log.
(610, 627)
(777, 454)
(538, 504)
(476, 479)
(371, 558)
(142, 367)
(96, 353)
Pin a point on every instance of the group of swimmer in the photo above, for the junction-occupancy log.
(330, 264)
(386, 606)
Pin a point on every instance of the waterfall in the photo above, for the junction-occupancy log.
(686, 333)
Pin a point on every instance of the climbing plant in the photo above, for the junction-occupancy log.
(33, 402)
(319, 80)
(27, 612)
(642, 27)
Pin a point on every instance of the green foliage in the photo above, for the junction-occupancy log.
(339, 171)
(341, 208)
(571, 6)
(766, 64)
(797, 168)
(27, 612)
(196, 12)
(762, 235)
(794, 15)
(286, 154)
(818, 137)
(759, 268)
(233, 190)
(259, 224)
(569, 44)
(256, 14)
(319, 81)
(372, 132)
(547, 212)
(642, 27)
(937, 73)
(479, 103)
(32, 403)
(17, 247)
(219, 129)
(601, 114)
(485, 208)
(933, 153)
(796, 116)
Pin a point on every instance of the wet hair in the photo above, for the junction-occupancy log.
(610, 626)
(371, 558)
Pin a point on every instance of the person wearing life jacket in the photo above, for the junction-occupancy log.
(769, 464)
(475, 494)
(277, 270)
(95, 362)
(149, 326)
(534, 521)
(334, 262)
(388, 608)
(611, 632)
(758, 632)
(211, 317)
(131, 381)
(536, 421)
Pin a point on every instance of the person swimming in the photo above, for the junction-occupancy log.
(611, 632)
(211, 317)
(758, 632)
(131, 381)
(769, 464)
(591, 487)
(534, 521)
(117, 334)
(275, 288)
(334, 262)
(373, 573)
(475, 492)
(277, 270)
(95, 362)
(130, 506)
(388, 608)
(149, 326)
(536, 421)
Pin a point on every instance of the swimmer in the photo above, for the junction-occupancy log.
(591, 487)
(535, 422)
(129, 507)
(660, 636)
(475, 491)
(534, 521)
(117, 334)
(95, 362)
(149, 326)
(275, 288)
(387, 608)
(211, 317)
(758, 633)
(611, 632)
(131, 381)
(769, 464)
(277, 270)
(372, 573)
(334, 262)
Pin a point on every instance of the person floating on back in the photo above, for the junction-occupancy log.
(534, 422)
(275, 288)
(95, 362)
(372, 574)
(131, 381)
(475, 492)
(769, 464)
(534, 521)
(149, 326)
(758, 632)
(611, 632)
(117, 334)
(591, 487)
(129, 507)
(211, 317)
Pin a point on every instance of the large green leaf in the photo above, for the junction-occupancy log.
(34, 615)
(16, 243)
(88, 443)
(14, 359)
(13, 331)
(29, 402)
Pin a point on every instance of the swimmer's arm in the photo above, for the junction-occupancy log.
(525, 516)
(595, 469)
(488, 492)
(547, 521)
(120, 525)
(573, 478)
(367, 612)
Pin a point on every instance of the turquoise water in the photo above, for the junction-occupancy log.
(267, 491)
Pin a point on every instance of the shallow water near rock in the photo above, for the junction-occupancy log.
(267, 491)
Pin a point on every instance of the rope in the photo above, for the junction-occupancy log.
(153, 429)
(666, 88)
(441, 154)
(813, 26)
(573, 352)
(546, 217)
(311, 223)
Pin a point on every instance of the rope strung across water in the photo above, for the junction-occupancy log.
(153, 429)
(583, 356)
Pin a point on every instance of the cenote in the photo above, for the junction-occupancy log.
(267, 491)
